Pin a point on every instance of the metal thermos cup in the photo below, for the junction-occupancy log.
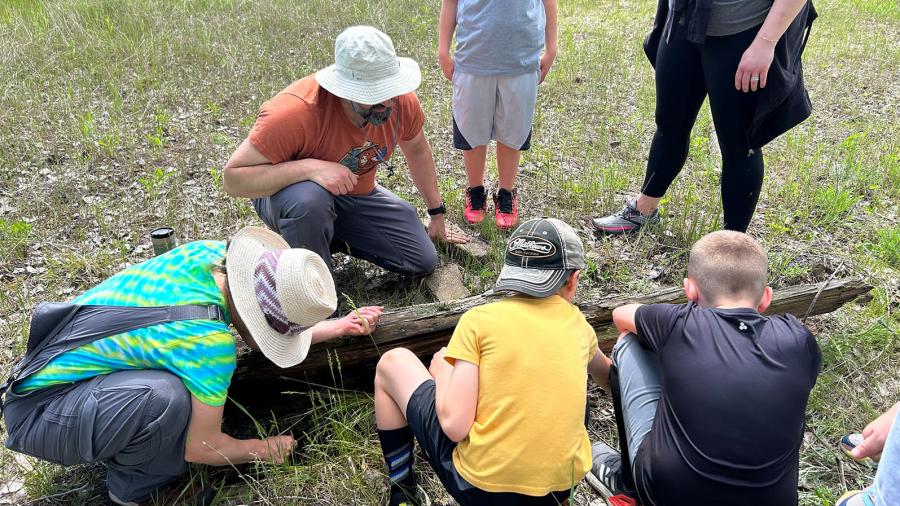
(163, 240)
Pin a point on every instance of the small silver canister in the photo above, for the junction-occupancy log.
(163, 239)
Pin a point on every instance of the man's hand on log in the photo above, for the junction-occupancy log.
(438, 230)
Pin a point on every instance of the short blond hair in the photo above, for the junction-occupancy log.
(728, 264)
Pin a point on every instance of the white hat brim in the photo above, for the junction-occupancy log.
(534, 282)
(241, 260)
(375, 91)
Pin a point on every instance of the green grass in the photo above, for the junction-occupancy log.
(119, 115)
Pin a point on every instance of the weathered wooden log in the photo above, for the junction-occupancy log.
(425, 328)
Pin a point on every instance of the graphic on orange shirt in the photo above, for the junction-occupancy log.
(363, 159)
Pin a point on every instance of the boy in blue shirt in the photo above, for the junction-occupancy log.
(495, 70)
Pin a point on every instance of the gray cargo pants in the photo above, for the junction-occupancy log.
(380, 227)
(133, 421)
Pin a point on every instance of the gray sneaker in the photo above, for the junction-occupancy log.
(606, 474)
(627, 220)
(115, 499)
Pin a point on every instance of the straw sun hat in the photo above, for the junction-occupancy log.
(366, 68)
(278, 292)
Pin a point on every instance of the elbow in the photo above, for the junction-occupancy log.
(457, 430)
(195, 452)
(456, 434)
(228, 182)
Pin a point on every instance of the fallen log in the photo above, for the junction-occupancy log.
(424, 328)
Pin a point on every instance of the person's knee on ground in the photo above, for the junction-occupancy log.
(422, 264)
(420, 260)
(425, 264)
(140, 470)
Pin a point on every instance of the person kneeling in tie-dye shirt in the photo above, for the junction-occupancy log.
(149, 400)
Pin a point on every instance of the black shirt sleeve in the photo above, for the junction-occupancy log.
(815, 352)
(812, 346)
(654, 323)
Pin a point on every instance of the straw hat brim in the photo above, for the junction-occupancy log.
(372, 91)
(241, 260)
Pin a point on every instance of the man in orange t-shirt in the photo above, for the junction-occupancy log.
(309, 162)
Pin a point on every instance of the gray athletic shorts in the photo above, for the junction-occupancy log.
(499, 108)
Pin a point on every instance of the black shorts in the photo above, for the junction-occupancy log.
(423, 421)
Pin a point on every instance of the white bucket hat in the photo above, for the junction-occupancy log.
(366, 68)
(278, 292)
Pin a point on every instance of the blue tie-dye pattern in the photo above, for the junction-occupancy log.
(200, 352)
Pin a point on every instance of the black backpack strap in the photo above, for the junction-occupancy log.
(88, 323)
(196, 312)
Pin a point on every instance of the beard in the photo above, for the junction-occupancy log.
(371, 116)
(376, 118)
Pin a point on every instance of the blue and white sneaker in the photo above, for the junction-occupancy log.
(857, 498)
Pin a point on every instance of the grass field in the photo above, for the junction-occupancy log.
(119, 115)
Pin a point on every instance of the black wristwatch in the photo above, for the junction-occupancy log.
(441, 209)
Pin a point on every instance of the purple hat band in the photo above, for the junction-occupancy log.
(267, 295)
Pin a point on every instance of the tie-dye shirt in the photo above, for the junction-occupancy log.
(200, 352)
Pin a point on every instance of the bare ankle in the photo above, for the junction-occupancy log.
(646, 205)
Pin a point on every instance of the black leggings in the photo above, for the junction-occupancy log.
(685, 74)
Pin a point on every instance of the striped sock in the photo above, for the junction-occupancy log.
(397, 447)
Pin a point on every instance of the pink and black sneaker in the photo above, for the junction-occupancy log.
(506, 208)
(475, 203)
(629, 219)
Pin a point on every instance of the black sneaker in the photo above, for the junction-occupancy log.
(606, 474)
(420, 498)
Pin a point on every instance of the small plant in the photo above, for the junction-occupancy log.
(214, 109)
(86, 125)
(109, 143)
(153, 182)
(161, 130)
(832, 204)
(216, 176)
(887, 246)
(14, 237)
(220, 139)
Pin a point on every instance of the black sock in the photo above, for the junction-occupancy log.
(397, 446)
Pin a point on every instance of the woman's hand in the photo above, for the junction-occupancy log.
(753, 69)
(276, 449)
(361, 321)
(875, 434)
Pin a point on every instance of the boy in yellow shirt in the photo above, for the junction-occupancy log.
(500, 411)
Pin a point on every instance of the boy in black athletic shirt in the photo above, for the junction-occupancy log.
(713, 394)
